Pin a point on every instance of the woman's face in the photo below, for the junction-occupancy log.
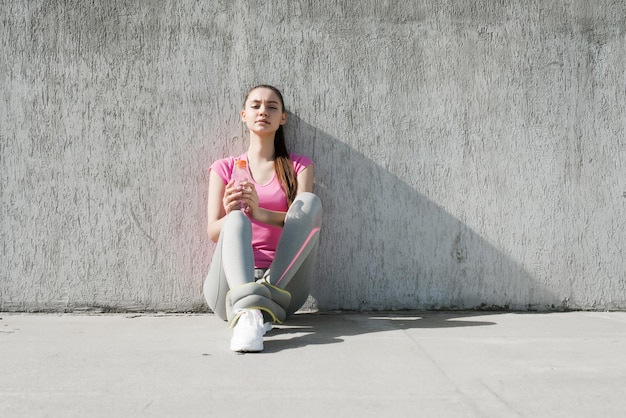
(263, 111)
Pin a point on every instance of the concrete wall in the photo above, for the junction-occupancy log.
(469, 153)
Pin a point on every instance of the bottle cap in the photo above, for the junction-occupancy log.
(241, 164)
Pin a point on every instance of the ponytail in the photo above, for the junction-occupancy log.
(284, 167)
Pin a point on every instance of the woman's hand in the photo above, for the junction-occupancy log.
(250, 198)
(233, 195)
(237, 193)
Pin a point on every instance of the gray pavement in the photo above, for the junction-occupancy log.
(383, 364)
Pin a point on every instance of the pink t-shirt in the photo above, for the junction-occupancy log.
(271, 196)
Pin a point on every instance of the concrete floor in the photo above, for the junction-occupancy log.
(396, 364)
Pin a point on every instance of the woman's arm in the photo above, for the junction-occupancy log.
(305, 184)
(223, 198)
(215, 209)
(305, 180)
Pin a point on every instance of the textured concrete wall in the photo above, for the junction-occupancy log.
(468, 152)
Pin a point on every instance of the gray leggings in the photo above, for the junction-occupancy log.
(233, 283)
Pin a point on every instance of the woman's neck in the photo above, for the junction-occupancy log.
(261, 148)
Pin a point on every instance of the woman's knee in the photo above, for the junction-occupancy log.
(309, 199)
(308, 204)
(237, 220)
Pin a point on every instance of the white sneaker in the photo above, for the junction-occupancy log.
(248, 332)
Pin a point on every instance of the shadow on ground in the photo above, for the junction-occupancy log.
(307, 329)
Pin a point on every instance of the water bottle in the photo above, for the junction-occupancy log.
(240, 174)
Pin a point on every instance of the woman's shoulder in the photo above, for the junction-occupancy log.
(224, 167)
(228, 161)
(300, 162)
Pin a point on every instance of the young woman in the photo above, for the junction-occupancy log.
(266, 228)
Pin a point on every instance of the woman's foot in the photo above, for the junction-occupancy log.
(248, 332)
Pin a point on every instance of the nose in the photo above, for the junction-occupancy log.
(263, 110)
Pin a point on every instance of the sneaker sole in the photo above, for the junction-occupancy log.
(250, 348)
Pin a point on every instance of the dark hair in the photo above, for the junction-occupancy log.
(282, 163)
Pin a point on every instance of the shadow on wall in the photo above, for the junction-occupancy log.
(385, 246)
